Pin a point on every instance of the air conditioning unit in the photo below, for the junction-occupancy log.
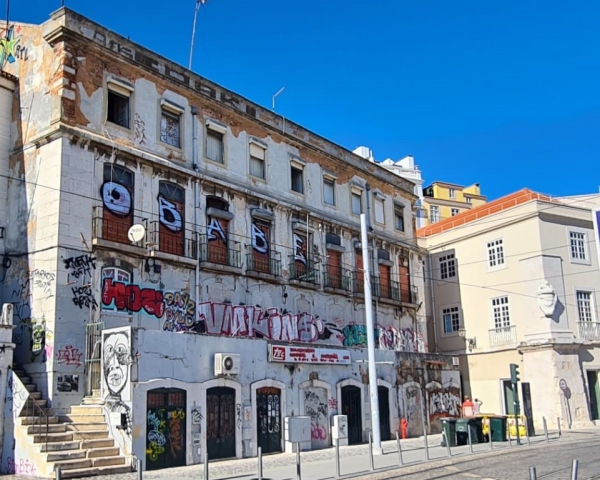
(227, 364)
(455, 361)
(7, 314)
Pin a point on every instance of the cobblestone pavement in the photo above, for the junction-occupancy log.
(355, 462)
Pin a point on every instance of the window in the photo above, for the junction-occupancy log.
(469, 200)
(356, 202)
(214, 146)
(584, 306)
(399, 218)
(379, 210)
(118, 109)
(297, 178)
(454, 211)
(170, 128)
(118, 278)
(500, 312)
(451, 318)
(495, 253)
(257, 160)
(452, 193)
(447, 266)
(434, 213)
(329, 191)
(117, 199)
(578, 245)
(171, 199)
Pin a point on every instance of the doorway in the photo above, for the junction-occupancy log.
(352, 409)
(384, 412)
(220, 422)
(594, 390)
(165, 428)
(268, 415)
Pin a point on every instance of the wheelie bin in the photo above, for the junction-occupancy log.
(463, 425)
(498, 428)
(449, 428)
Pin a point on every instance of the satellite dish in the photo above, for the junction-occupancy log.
(136, 233)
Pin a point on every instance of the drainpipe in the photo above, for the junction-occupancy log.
(196, 197)
(373, 259)
(432, 296)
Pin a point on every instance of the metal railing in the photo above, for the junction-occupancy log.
(409, 296)
(340, 279)
(589, 330)
(269, 262)
(219, 252)
(503, 336)
(304, 272)
(183, 243)
(35, 417)
(114, 229)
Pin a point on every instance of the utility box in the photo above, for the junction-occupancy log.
(339, 430)
(297, 431)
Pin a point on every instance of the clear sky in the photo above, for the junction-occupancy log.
(502, 93)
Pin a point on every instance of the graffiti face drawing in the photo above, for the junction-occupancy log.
(116, 362)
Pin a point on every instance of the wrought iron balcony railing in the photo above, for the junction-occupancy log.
(218, 251)
(409, 296)
(304, 272)
(107, 226)
(268, 262)
(589, 330)
(183, 243)
(503, 336)
(340, 278)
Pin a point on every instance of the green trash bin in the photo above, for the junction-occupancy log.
(449, 428)
(463, 425)
(498, 428)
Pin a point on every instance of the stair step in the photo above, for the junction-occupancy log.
(85, 410)
(28, 410)
(106, 461)
(89, 434)
(89, 418)
(37, 420)
(92, 472)
(73, 464)
(54, 437)
(41, 402)
(35, 395)
(59, 446)
(103, 452)
(97, 443)
(63, 455)
(31, 387)
(50, 428)
(85, 427)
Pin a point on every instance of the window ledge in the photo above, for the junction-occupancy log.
(579, 261)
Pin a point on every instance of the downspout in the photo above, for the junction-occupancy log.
(196, 198)
(432, 296)
(373, 259)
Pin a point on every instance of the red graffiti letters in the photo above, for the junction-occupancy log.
(70, 356)
(131, 298)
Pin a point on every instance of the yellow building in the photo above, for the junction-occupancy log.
(444, 200)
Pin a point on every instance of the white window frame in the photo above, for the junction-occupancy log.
(496, 246)
(592, 304)
(586, 260)
(172, 110)
(122, 89)
(431, 216)
(469, 200)
(257, 144)
(501, 306)
(450, 310)
(355, 191)
(452, 192)
(328, 179)
(379, 207)
(454, 211)
(399, 213)
(447, 263)
(213, 127)
(299, 167)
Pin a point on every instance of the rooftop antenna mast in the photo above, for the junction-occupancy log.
(274, 96)
(199, 3)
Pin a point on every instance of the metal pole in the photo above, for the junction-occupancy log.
(527, 432)
(470, 438)
(206, 466)
(139, 469)
(425, 434)
(371, 459)
(575, 470)
(508, 434)
(198, 2)
(546, 429)
(337, 459)
(559, 429)
(490, 437)
(260, 466)
(399, 449)
(375, 425)
(298, 466)
(58, 473)
(447, 442)
(532, 473)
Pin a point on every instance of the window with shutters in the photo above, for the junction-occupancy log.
(258, 156)
(214, 146)
(356, 201)
(329, 190)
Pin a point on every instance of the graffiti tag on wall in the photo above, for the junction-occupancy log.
(124, 297)
(10, 46)
(180, 312)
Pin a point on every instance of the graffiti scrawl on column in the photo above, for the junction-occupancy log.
(259, 239)
(168, 215)
(116, 198)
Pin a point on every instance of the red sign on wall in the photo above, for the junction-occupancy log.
(290, 354)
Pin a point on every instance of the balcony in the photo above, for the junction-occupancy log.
(502, 336)
(308, 273)
(110, 231)
(410, 296)
(268, 263)
(589, 331)
(179, 244)
(338, 279)
(218, 252)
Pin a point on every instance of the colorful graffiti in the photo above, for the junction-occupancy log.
(156, 437)
(315, 406)
(180, 312)
(131, 298)
(116, 198)
(387, 338)
(168, 215)
(443, 402)
(10, 46)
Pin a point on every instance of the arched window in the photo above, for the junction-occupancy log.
(117, 201)
(217, 221)
(171, 234)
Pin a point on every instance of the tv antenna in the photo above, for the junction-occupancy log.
(274, 96)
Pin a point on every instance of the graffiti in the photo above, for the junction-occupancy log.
(131, 298)
(116, 363)
(156, 437)
(238, 414)
(11, 48)
(175, 438)
(21, 467)
(411, 408)
(355, 335)
(315, 406)
(180, 312)
(332, 403)
(84, 297)
(139, 129)
(299, 249)
(401, 340)
(19, 394)
(444, 403)
(37, 340)
(70, 356)
(168, 215)
(116, 198)
(81, 265)
(259, 239)
(196, 417)
(42, 279)
(214, 230)
(317, 432)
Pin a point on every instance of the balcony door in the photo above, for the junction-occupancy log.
(117, 200)
(171, 199)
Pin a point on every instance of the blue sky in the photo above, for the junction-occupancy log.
(502, 93)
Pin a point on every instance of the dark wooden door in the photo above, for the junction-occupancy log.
(352, 409)
(220, 423)
(268, 417)
(384, 412)
(360, 274)
(165, 428)
(404, 280)
(384, 282)
(528, 407)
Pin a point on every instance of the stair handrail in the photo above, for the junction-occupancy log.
(30, 406)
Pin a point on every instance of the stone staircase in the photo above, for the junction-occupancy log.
(77, 442)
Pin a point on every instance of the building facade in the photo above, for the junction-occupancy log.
(191, 262)
(516, 281)
(444, 200)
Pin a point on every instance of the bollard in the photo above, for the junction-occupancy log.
(491, 439)
(426, 442)
(559, 429)
(508, 435)
(337, 460)
(546, 429)
(298, 466)
(399, 449)
(372, 460)
(447, 442)
(260, 471)
(139, 469)
(527, 433)
(575, 470)
(470, 438)
(206, 466)
(57, 473)
(532, 473)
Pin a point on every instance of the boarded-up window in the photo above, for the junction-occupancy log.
(171, 233)
(261, 231)
(117, 198)
(404, 267)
